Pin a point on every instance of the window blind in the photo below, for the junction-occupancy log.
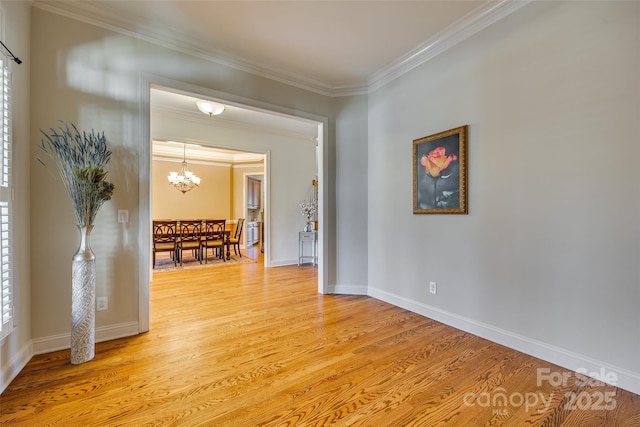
(6, 279)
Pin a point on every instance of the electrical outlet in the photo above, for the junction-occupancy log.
(103, 303)
(433, 287)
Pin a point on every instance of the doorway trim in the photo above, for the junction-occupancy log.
(149, 81)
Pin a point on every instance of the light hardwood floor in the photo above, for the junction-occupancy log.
(245, 346)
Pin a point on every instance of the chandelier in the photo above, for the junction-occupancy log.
(184, 180)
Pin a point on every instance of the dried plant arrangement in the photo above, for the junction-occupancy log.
(81, 159)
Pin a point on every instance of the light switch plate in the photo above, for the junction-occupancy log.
(123, 216)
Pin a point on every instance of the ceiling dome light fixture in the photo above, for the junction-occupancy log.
(184, 180)
(209, 107)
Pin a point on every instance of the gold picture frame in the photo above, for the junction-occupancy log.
(440, 172)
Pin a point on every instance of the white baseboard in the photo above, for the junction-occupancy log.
(348, 290)
(103, 333)
(283, 262)
(15, 365)
(624, 378)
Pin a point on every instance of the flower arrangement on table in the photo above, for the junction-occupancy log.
(308, 210)
(81, 159)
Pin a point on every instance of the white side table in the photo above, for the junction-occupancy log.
(311, 238)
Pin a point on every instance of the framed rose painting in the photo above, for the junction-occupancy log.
(440, 173)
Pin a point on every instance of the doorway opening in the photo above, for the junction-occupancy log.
(270, 120)
(220, 193)
(254, 204)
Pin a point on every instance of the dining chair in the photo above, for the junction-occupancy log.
(237, 236)
(190, 232)
(213, 237)
(164, 239)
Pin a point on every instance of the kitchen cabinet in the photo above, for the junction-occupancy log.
(253, 193)
(253, 235)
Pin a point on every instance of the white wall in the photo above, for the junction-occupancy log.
(547, 259)
(351, 196)
(16, 349)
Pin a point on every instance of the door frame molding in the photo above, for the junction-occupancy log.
(146, 83)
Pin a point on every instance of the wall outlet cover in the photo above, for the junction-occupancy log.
(433, 287)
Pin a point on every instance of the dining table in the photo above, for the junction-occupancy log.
(175, 231)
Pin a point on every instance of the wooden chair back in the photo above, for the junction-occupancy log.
(238, 232)
(213, 237)
(164, 232)
(190, 231)
(235, 240)
(189, 235)
(214, 229)
(164, 238)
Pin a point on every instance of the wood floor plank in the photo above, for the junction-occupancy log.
(240, 345)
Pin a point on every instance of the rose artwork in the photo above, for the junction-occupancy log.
(437, 161)
(440, 172)
(434, 164)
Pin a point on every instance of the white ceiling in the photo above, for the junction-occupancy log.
(331, 47)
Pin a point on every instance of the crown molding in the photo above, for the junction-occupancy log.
(102, 16)
(475, 21)
(162, 158)
(248, 165)
(203, 155)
